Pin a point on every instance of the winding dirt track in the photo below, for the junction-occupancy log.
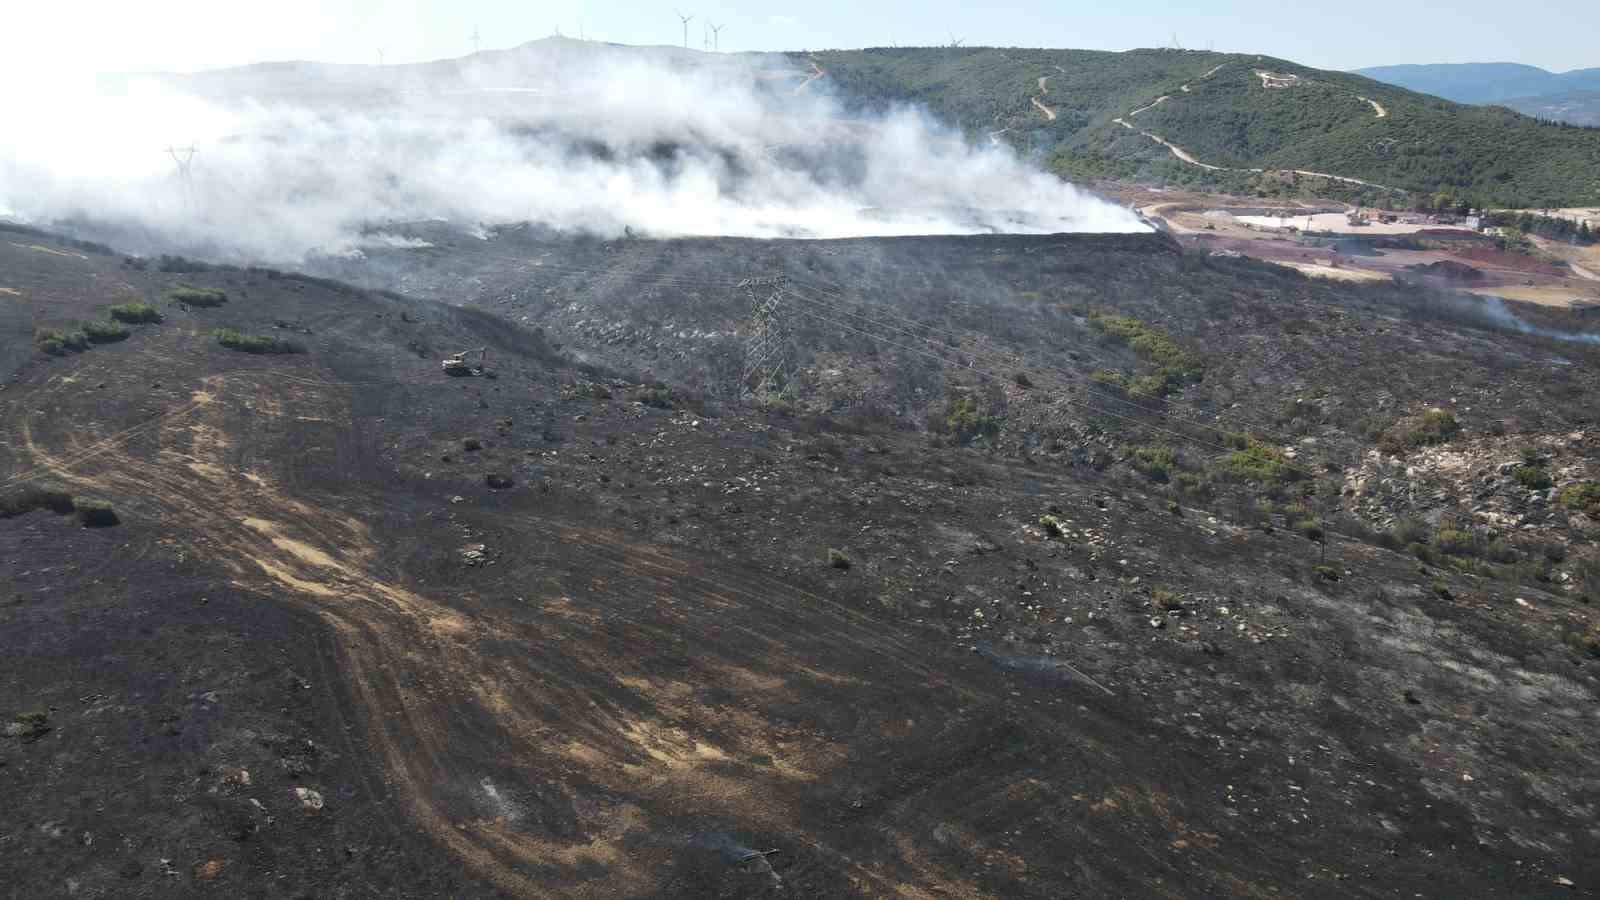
(1044, 88)
(1268, 81)
(815, 73)
(391, 639)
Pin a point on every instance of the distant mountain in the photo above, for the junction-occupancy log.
(1576, 107)
(1484, 82)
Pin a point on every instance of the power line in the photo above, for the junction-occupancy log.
(1253, 426)
(807, 293)
(1000, 378)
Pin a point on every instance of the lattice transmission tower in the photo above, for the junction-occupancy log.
(769, 357)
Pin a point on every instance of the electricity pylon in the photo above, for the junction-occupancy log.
(769, 358)
(184, 158)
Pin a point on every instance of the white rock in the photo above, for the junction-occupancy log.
(308, 798)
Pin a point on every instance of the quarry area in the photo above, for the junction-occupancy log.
(1344, 242)
(821, 507)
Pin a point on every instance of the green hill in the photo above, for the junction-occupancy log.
(1317, 121)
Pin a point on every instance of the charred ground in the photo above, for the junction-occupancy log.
(1076, 647)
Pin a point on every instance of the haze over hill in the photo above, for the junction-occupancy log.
(1484, 82)
(299, 157)
(1576, 107)
(1572, 97)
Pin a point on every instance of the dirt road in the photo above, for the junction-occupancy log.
(1270, 81)
(1044, 88)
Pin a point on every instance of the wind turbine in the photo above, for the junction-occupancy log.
(686, 21)
(716, 36)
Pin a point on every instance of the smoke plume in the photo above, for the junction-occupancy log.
(296, 158)
(1502, 316)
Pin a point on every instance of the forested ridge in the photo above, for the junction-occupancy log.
(1321, 121)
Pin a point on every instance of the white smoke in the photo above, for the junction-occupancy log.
(1502, 316)
(298, 158)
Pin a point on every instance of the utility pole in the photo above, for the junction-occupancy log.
(686, 21)
(716, 36)
(769, 358)
(474, 39)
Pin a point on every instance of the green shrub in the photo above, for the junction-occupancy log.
(1150, 386)
(1456, 542)
(136, 313)
(1585, 496)
(1260, 463)
(60, 343)
(1436, 426)
(1193, 484)
(1501, 552)
(1328, 573)
(32, 724)
(193, 296)
(963, 419)
(838, 559)
(658, 397)
(178, 264)
(1052, 526)
(1178, 365)
(254, 343)
(1154, 463)
(1309, 528)
(96, 513)
(105, 332)
(1166, 598)
(1534, 478)
(1585, 640)
(29, 499)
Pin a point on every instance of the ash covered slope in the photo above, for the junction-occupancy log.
(299, 158)
(633, 661)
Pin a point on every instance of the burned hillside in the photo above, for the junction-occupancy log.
(1059, 566)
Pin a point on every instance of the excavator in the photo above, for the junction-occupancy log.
(459, 365)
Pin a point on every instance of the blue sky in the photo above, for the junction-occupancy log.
(178, 35)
